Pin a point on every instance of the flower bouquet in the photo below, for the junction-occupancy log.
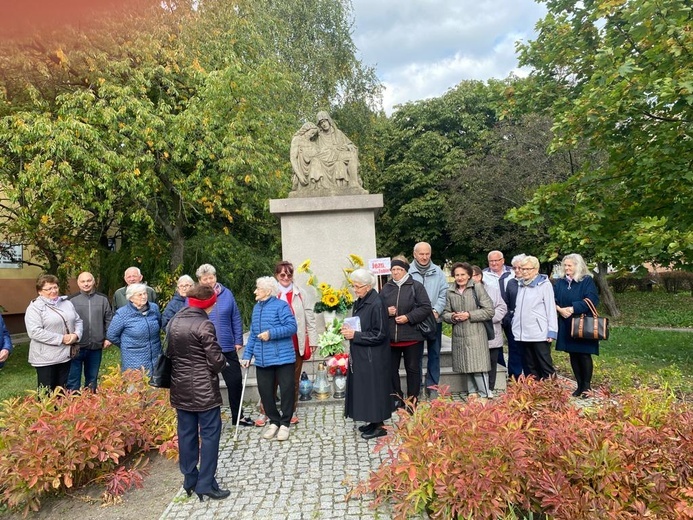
(330, 342)
(338, 364)
(331, 298)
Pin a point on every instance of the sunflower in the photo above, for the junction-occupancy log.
(330, 299)
(323, 287)
(311, 280)
(304, 267)
(356, 260)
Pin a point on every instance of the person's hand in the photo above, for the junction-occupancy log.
(264, 336)
(245, 363)
(347, 332)
(392, 311)
(238, 347)
(565, 312)
(69, 339)
(402, 319)
(435, 313)
(106, 343)
(4, 354)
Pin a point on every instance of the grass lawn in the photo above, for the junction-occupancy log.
(654, 309)
(18, 375)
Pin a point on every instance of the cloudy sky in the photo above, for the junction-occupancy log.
(422, 48)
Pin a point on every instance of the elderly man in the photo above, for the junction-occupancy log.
(436, 284)
(132, 275)
(229, 328)
(96, 314)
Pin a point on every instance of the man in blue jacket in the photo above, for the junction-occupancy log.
(6, 343)
(229, 328)
(436, 284)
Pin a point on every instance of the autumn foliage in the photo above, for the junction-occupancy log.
(52, 443)
(534, 454)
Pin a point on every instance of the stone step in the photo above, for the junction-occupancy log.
(455, 381)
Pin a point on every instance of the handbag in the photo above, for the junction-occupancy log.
(589, 327)
(161, 374)
(488, 324)
(428, 327)
(307, 351)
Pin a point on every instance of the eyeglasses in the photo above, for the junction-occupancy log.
(527, 268)
(495, 261)
(358, 287)
(185, 285)
(285, 275)
(50, 289)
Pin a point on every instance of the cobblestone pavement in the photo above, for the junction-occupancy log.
(305, 477)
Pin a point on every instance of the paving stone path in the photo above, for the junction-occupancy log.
(306, 477)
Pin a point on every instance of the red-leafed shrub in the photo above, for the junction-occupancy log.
(53, 442)
(534, 454)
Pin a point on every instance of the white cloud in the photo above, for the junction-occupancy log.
(422, 48)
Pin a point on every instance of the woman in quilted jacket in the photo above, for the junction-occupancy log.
(135, 329)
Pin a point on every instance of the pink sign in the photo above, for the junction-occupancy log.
(379, 266)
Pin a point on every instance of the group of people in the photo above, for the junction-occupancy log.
(204, 329)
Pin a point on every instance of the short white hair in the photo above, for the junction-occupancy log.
(134, 289)
(268, 283)
(363, 276)
(517, 259)
(185, 278)
(205, 269)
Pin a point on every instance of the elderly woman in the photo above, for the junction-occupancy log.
(570, 293)
(135, 329)
(305, 336)
(535, 324)
(407, 304)
(196, 361)
(227, 321)
(185, 283)
(467, 305)
(53, 326)
(271, 328)
(500, 308)
(369, 385)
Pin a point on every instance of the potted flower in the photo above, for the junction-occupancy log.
(337, 367)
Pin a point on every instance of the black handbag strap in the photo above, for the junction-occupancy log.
(61, 317)
(476, 297)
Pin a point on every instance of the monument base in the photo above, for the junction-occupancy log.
(327, 230)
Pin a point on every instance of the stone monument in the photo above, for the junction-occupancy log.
(328, 214)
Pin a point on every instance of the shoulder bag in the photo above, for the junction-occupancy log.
(429, 326)
(589, 327)
(161, 374)
(488, 324)
(74, 347)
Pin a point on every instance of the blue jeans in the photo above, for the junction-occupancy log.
(91, 360)
(433, 350)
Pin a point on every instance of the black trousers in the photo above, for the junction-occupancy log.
(493, 353)
(234, 383)
(284, 375)
(198, 439)
(412, 365)
(53, 376)
(538, 358)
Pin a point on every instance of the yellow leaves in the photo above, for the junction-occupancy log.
(196, 66)
(248, 179)
(137, 172)
(62, 58)
(44, 219)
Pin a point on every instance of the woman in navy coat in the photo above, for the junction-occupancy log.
(570, 292)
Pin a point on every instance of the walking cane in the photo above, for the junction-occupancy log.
(240, 406)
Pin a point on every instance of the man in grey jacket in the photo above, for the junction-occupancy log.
(436, 283)
(132, 275)
(95, 311)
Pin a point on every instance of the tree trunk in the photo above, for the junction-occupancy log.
(177, 249)
(606, 294)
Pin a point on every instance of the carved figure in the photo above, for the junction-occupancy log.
(324, 160)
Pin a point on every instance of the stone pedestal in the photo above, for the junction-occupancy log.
(327, 230)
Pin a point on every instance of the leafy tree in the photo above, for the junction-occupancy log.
(619, 75)
(168, 120)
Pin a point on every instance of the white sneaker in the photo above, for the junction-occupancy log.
(283, 433)
(270, 431)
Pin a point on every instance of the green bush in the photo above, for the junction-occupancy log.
(677, 281)
(53, 442)
(533, 453)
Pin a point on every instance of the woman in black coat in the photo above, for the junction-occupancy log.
(368, 379)
(407, 304)
(570, 292)
(196, 361)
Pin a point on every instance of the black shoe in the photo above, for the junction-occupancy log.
(576, 393)
(377, 432)
(246, 421)
(215, 494)
(367, 427)
(189, 491)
